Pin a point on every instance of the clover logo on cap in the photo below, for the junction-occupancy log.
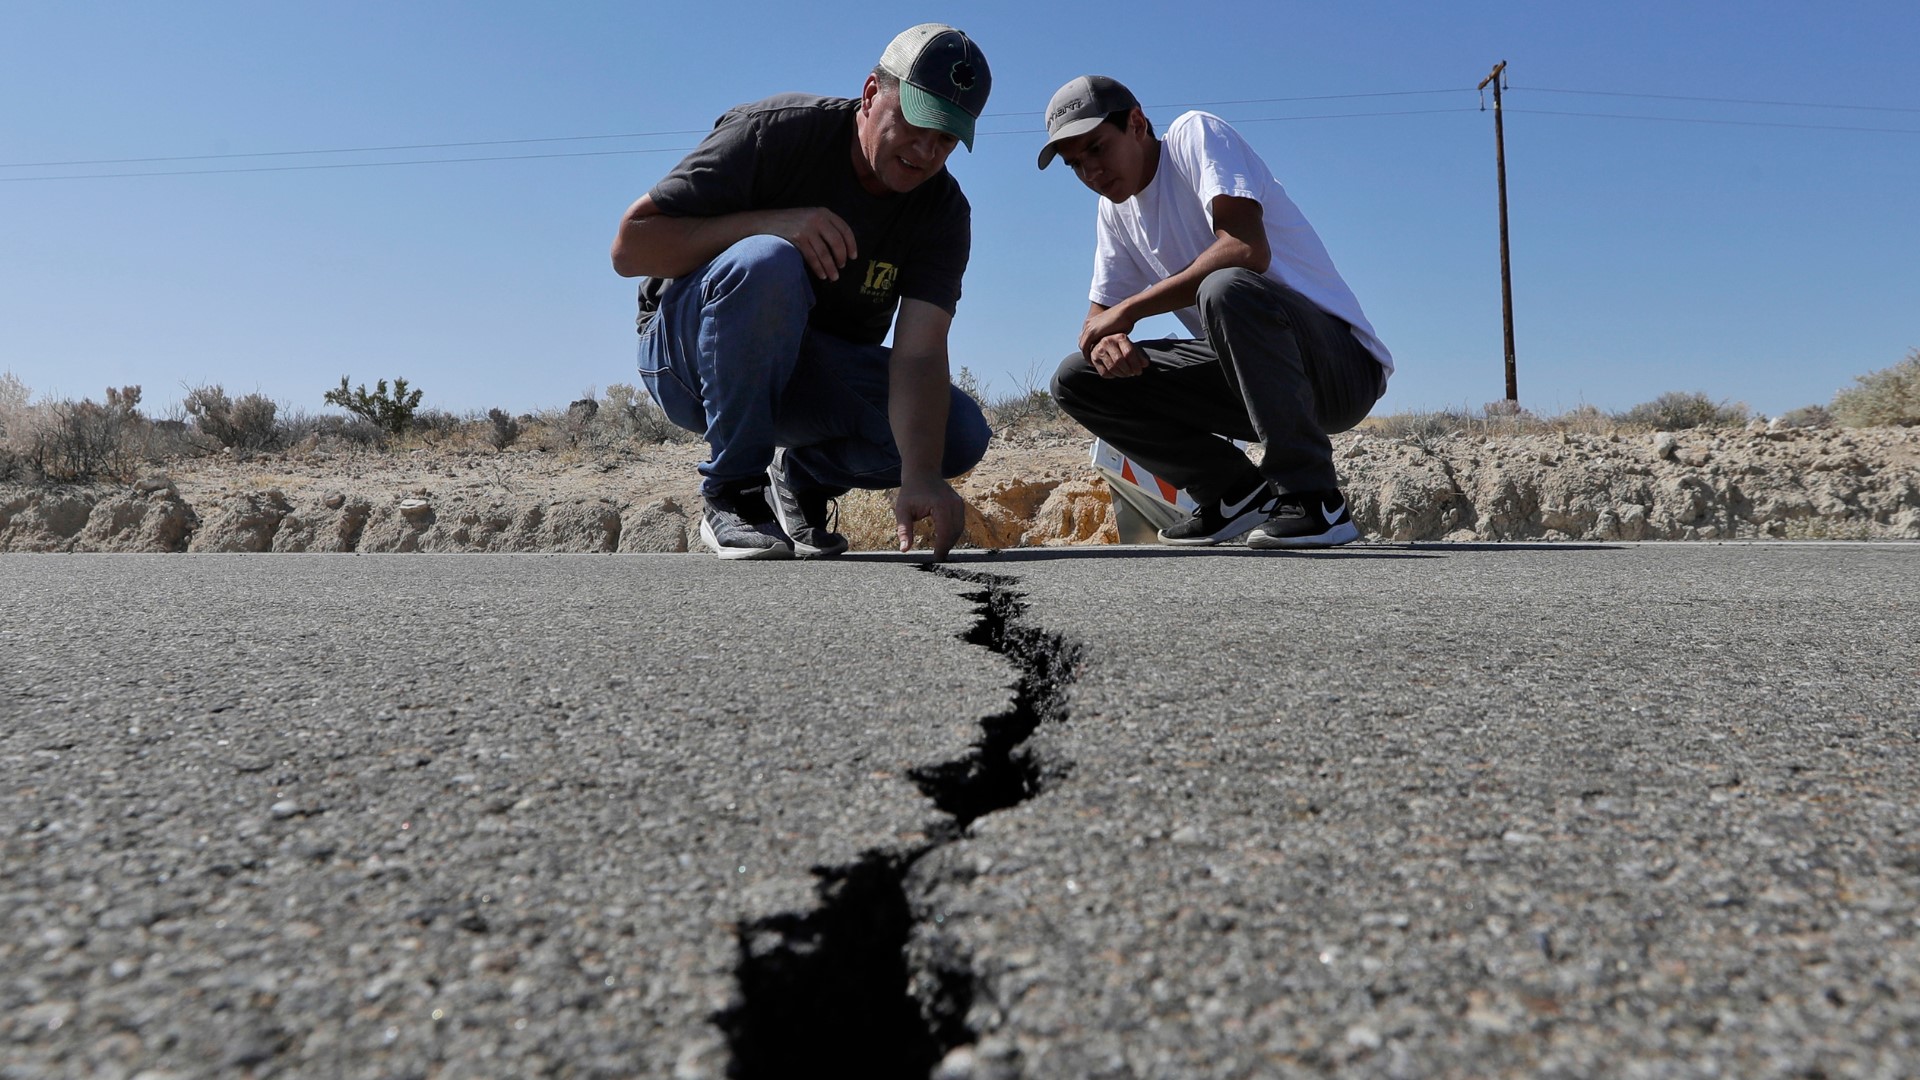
(944, 78)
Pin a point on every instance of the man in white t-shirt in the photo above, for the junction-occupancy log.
(1196, 224)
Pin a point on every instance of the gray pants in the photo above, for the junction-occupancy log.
(1273, 369)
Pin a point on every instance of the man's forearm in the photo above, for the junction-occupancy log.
(917, 401)
(661, 246)
(1182, 289)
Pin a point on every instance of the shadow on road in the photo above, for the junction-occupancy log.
(1411, 550)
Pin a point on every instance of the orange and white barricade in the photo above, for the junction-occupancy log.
(1143, 504)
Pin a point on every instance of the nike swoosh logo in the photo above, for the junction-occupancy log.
(1332, 515)
(1240, 507)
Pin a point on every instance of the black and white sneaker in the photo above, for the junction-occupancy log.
(1219, 522)
(805, 514)
(1306, 519)
(737, 524)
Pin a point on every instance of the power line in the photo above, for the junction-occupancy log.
(1162, 105)
(342, 165)
(1314, 97)
(1012, 131)
(1720, 100)
(577, 154)
(346, 150)
(1731, 123)
(1343, 116)
(622, 135)
(1270, 119)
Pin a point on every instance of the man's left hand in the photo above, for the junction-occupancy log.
(1102, 325)
(1117, 357)
(935, 500)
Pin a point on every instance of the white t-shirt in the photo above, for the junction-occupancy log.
(1159, 232)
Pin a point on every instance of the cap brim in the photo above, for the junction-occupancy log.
(1067, 131)
(933, 111)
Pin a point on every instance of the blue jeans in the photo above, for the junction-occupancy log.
(729, 355)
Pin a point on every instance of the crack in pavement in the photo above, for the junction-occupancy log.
(833, 988)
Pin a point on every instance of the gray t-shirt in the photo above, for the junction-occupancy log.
(795, 150)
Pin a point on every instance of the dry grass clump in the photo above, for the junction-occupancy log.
(622, 420)
(1026, 412)
(1806, 416)
(1889, 397)
(1680, 411)
(866, 520)
(1668, 412)
(1494, 418)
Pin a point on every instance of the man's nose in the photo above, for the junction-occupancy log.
(926, 148)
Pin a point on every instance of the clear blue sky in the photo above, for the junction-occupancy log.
(1755, 261)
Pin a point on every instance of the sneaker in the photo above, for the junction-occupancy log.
(736, 524)
(1306, 520)
(806, 515)
(1216, 523)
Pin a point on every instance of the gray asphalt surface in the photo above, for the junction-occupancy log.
(409, 816)
(1395, 811)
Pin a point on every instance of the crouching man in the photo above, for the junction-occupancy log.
(775, 257)
(1196, 224)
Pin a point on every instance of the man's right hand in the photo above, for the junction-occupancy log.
(821, 236)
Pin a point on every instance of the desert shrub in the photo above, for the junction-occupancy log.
(505, 429)
(1033, 407)
(1027, 406)
(1508, 418)
(14, 416)
(1584, 419)
(13, 395)
(969, 384)
(1806, 416)
(436, 422)
(1420, 425)
(77, 441)
(1502, 417)
(391, 412)
(125, 401)
(1677, 411)
(623, 417)
(1890, 396)
(349, 430)
(246, 424)
(641, 417)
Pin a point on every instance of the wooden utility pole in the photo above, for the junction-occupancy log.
(1506, 265)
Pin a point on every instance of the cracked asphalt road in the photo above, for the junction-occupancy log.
(1530, 810)
(395, 816)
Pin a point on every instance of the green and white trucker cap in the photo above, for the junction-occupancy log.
(943, 78)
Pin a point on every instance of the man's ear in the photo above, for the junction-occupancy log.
(1137, 125)
(868, 92)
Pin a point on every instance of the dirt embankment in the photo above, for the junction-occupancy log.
(1693, 485)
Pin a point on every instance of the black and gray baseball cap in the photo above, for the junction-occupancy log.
(1078, 108)
(943, 78)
